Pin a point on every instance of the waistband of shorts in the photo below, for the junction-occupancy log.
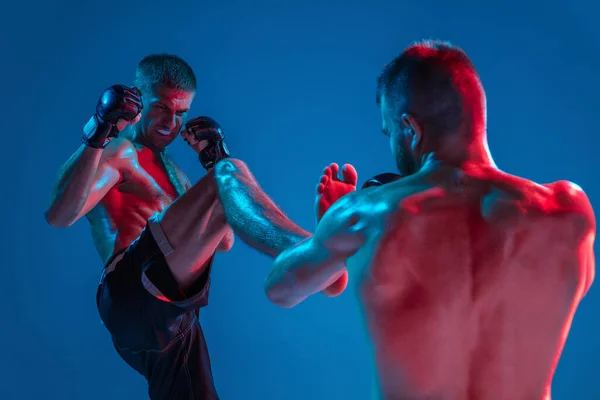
(111, 263)
(112, 259)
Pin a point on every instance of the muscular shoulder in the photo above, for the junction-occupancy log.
(342, 228)
(561, 202)
(574, 206)
(119, 150)
(354, 213)
(570, 199)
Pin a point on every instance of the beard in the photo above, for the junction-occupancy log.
(404, 159)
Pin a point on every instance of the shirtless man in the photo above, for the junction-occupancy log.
(156, 232)
(157, 251)
(468, 278)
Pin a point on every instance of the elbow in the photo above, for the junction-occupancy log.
(227, 170)
(280, 296)
(229, 165)
(280, 300)
(55, 220)
(226, 167)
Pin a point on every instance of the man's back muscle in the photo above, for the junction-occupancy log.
(472, 285)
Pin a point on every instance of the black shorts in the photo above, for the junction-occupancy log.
(155, 328)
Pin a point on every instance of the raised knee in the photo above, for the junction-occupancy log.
(228, 172)
(229, 165)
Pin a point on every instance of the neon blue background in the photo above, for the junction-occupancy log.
(293, 84)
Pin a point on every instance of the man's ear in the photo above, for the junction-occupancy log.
(416, 133)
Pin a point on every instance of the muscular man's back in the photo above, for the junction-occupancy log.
(470, 286)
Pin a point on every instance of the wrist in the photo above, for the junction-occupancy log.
(212, 154)
(96, 133)
(94, 145)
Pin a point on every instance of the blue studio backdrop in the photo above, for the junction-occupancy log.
(293, 84)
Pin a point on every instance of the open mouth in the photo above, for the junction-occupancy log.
(164, 132)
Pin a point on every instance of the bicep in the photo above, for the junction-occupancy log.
(107, 176)
(317, 262)
(341, 230)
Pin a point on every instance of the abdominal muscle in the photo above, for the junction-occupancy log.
(119, 219)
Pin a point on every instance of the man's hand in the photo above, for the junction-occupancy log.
(190, 139)
(206, 137)
(329, 190)
(118, 106)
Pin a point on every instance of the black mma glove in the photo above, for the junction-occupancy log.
(206, 128)
(117, 102)
(381, 179)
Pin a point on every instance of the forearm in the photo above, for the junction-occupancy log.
(251, 213)
(282, 285)
(300, 272)
(73, 185)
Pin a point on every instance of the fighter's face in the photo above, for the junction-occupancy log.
(164, 113)
(400, 137)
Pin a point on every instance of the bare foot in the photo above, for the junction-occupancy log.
(331, 187)
(329, 190)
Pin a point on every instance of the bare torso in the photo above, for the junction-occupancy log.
(469, 287)
(149, 183)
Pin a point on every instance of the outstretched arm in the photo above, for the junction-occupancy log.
(332, 186)
(314, 264)
(251, 213)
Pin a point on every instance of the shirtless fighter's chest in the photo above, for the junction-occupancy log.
(148, 181)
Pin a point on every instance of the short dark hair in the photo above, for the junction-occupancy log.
(435, 78)
(167, 69)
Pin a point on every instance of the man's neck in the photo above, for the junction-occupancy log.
(458, 155)
(139, 141)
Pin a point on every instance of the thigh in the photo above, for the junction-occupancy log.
(139, 302)
(183, 370)
(192, 211)
(192, 227)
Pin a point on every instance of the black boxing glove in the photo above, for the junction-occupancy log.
(117, 102)
(206, 128)
(381, 179)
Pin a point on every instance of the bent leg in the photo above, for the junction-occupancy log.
(155, 329)
(252, 215)
(190, 230)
